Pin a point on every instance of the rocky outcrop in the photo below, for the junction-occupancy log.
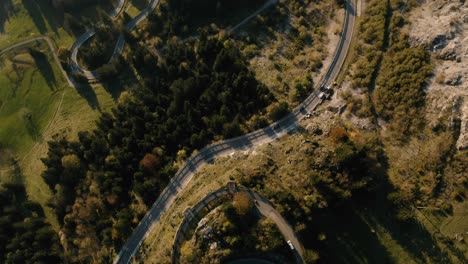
(442, 26)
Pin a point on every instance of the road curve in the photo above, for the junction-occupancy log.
(226, 147)
(261, 203)
(52, 50)
(266, 209)
(92, 75)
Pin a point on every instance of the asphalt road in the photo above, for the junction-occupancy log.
(286, 230)
(223, 148)
(264, 207)
(92, 75)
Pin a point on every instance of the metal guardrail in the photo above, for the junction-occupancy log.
(189, 217)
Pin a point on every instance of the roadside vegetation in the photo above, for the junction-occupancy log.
(424, 165)
(394, 82)
(187, 100)
(287, 44)
(98, 49)
(332, 205)
(235, 229)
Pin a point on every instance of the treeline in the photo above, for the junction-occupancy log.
(176, 17)
(24, 235)
(103, 182)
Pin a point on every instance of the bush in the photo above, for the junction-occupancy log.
(279, 111)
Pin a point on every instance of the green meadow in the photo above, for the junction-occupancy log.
(30, 91)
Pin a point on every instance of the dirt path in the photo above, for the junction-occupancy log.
(69, 81)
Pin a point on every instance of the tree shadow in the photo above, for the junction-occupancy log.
(54, 17)
(36, 15)
(413, 237)
(87, 92)
(44, 66)
(140, 4)
(125, 80)
(6, 8)
(358, 227)
(410, 235)
(346, 233)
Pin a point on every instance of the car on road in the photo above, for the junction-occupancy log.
(291, 246)
(321, 95)
(308, 115)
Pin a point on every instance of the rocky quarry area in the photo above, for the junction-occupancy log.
(441, 26)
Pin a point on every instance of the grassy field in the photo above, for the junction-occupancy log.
(79, 110)
(31, 91)
(24, 19)
(36, 103)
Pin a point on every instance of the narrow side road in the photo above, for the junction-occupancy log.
(52, 49)
(92, 75)
(223, 148)
(261, 203)
(286, 230)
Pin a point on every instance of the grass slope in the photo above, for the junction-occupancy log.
(78, 112)
(31, 91)
(24, 19)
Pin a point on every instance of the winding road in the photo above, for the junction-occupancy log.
(223, 148)
(91, 75)
(265, 208)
